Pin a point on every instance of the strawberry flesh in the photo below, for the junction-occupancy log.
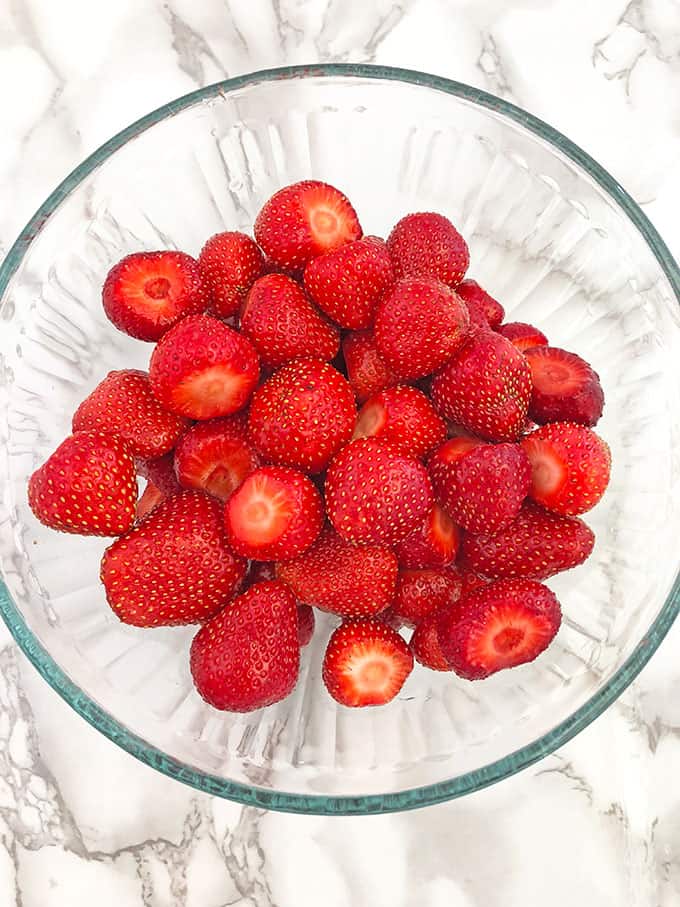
(434, 544)
(565, 387)
(215, 456)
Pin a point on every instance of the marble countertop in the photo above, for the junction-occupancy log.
(597, 823)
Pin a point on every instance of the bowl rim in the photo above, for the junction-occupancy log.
(468, 782)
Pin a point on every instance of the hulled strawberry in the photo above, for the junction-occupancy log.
(403, 417)
(146, 293)
(216, 456)
(428, 245)
(87, 486)
(230, 263)
(523, 336)
(482, 307)
(419, 592)
(367, 372)
(433, 544)
(175, 567)
(565, 387)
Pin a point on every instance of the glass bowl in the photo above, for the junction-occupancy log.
(552, 235)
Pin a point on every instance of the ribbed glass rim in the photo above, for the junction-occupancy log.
(373, 803)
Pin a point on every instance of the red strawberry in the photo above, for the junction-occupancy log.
(248, 655)
(486, 388)
(375, 495)
(470, 580)
(337, 577)
(434, 544)
(442, 461)
(367, 372)
(570, 467)
(148, 500)
(87, 487)
(203, 369)
(347, 284)
(230, 264)
(282, 324)
(302, 415)
(304, 220)
(276, 514)
(175, 567)
(405, 418)
(161, 472)
(419, 592)
(536, 545)
(419, 324)
(425, 643)
(483, 308)
(215, 456)
(483, 491)
(305, 624)
(524, 336)
(366, 663)
(428, 245)
(146, 293)
(390, 618)
(122, 404)
(508, 623)
(565, 387)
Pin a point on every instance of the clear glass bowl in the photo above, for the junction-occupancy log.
(552, 235)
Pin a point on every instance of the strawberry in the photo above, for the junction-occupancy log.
(442, 461)
(215, 456)
(505, 624)
(483, 308)
(419, 592)
(302, 415)
(367, 372)
(390, 618)
(122, 404)
(419, 324)
(304, 220)
(565, 387)
(276, 514)
(306, 624)
(434, 544)
(146, 293)
(248, 655)
(470, 581)
(403, 417)
(366, 663)
(175, 567)
(425, 643)
(524, 336)
(203, 369)
(87, 486)
(347, 284)
(282, 324)
(230, 264)
(483, 491)
(150, 498)
(339, 578)
(570, 467)
(161, 472)
(485, 388)
(260, 571)
(428, 245)
(536, 545)
(375, 495)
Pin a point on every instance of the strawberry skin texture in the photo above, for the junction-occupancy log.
(347, 284)
(88, 486)
(425, 643)
(536, 545)
(146, 293)
(375, 495)
(203, 369)
(419, 325)
(302, 415)
(248, 656)
(274, 498)
(404, 417)
(486, 388)
(523, 336)
(484, 490)
(507, 623)
(341, 579)
(215, 456)
(367, 372)
(481, 303)
(282, 324)
(160, 471)
(570, 467)
(305, 220)
(230, 263)
(122, 404)
(428, 245)
(366, 663)
(175, 567)
(434, 544)
(306, 623)
(565, 387)
(419, 592)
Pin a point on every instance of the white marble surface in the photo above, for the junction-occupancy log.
(81, 822)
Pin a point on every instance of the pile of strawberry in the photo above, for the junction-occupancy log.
(439, 505)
